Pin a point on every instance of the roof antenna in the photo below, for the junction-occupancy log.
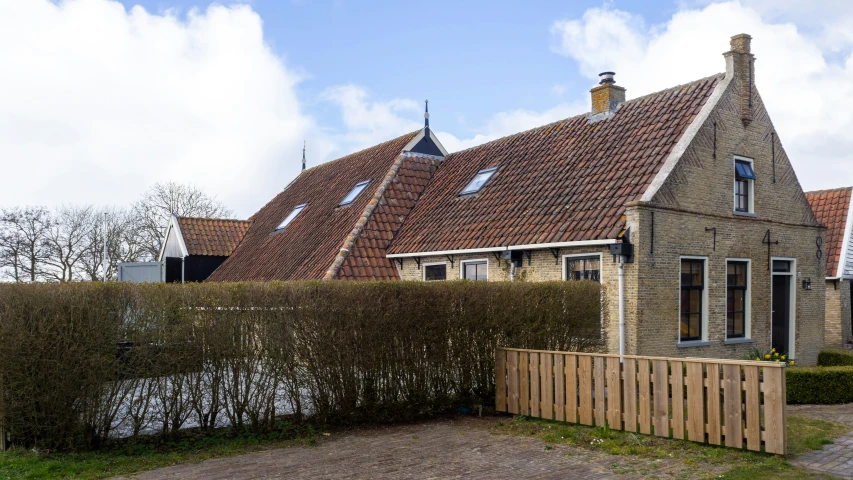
(426, 113)
(303, 155)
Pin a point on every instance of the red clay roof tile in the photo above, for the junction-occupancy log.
(832, 208)
(212, 236)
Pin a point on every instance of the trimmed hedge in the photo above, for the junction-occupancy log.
(820, 385)
(83, 362)
(835, 358)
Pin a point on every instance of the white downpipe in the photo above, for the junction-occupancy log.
(621, 305)
(511, 271)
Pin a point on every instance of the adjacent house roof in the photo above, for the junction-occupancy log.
(832, 208)
(563, 182)
(307, 247)
(211, 236)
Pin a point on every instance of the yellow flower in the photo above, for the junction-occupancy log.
(792, 362)
(757, 359)
(767, 356)
(777, 360)
(772, 349)
(783, 357)
(776, 354)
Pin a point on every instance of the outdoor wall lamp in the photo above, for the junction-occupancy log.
(807, 284)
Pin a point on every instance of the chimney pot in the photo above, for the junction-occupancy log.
(606, 77)
(741, 43)
(740, 64)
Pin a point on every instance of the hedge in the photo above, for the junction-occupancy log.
(835, 358)
(82, 363)
(820, 385)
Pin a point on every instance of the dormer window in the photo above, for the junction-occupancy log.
(289, 218)
(479, 181)
(354, 193)
(744, 185)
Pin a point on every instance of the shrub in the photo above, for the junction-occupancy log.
(835, 358)
(769, 356)
(821, 385)
(79, 361)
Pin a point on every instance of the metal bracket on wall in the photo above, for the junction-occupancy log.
(556, 253)
(497, 256)
(451, 259)
(766, 240)
(713, 229)
(399, 261)
(418, 261)
(528, 254)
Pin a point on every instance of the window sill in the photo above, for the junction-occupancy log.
(735, 341)
(694, 343)
(745, 214)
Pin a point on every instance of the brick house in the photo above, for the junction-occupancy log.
(684, 197)
(194, 247)
(835, 210)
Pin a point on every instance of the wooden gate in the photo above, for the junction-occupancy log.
(721, 402)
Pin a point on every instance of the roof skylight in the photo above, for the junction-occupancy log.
(289, 218)
(479, 181)
(354, 193)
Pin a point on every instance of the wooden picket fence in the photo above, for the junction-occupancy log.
(721, 402)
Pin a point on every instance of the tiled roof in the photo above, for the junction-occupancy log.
(368, 261)
(306, 248)
(831, 208)
(567, 181)
(212, 236)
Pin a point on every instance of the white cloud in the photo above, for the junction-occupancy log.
(809, 97)
(98, 102)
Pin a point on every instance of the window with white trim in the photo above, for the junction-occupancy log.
(358, 188)
(692, 309)
(435, 271)
(737, 298)
(475, 270)
(583, 268)
(479, 181)
(744, 185)
(289, 218)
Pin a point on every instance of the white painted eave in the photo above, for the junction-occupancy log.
(845, 244)
(531, 246)
(421, 135)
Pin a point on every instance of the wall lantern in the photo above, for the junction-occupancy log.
(807, 284)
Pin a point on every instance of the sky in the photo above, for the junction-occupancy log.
(99, 99)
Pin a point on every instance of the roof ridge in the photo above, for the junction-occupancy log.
(353, 154)
(586, 114)
(214, 218)
(826, 190)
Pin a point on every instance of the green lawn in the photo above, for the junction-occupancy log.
(803, 434)
(129, 457)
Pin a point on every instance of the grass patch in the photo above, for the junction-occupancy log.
(716, 462)
(127, 457)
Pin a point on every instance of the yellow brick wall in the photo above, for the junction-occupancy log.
(838, 316)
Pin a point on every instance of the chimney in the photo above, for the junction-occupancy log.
(607, 96)
(740, 66)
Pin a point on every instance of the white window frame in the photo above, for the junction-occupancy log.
(747, 313)
(363, 186)
(491, 171)
(705, 305)
(288, 219)
(587, 255)
(424, 265)
(751, 200)
(792, 308)
(462, 267)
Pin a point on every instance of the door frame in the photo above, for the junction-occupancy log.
(792, 307)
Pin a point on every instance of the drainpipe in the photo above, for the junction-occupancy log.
(511, 271)
(621, 305)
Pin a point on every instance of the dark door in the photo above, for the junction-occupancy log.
(173, 269)
(781, 312)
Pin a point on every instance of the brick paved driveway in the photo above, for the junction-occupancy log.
(835, 459)
(440, 449)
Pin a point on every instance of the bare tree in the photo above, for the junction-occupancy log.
(122, 239)
(153, 210)
(68, 240)
(24, 242)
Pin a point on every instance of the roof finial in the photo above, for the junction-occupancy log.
(426, 113)
(303, 155)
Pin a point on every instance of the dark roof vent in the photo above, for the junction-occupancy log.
(606, 77)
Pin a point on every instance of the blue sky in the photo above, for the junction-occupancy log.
(106, 98)
(472, 59)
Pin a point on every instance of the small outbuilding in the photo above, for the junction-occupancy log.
(194, 247)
